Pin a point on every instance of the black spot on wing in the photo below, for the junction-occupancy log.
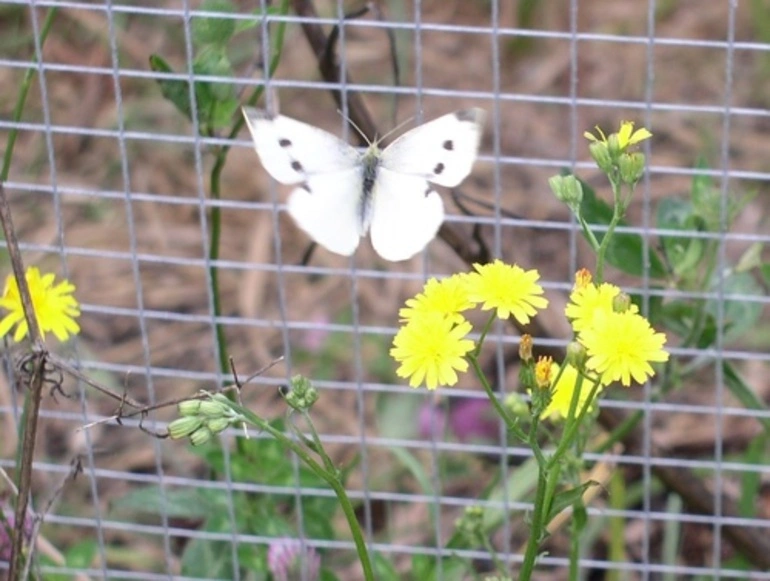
(439, 169)
(296, 166)
(467, 115)
(449, 145)
(284, 142)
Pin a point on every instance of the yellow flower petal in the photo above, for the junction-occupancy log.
(448, 297)
(621, 346)
(562, 391)
(55, 307)
(431, 349)
(509, 289)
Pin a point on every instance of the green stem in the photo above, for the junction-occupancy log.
(216, 194)
(510, 422)
(18, 109)
(617, 214)
(535, 530)
(484, 333)
(329, 476)
(572, 426)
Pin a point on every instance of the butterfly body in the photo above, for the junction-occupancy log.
(342, 194)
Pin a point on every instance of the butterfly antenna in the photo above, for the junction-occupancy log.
(397, 127)
(356, 127)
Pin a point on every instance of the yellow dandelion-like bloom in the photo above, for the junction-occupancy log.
(621, 346)
(55, 307)
(588, 301)
(431, 349)
(561, 393)
(448, 297)
(508, 288)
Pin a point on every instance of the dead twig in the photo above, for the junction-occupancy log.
(33, 398)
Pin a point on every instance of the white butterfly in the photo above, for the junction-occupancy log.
(342, 193)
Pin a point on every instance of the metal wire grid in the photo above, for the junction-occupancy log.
(99, 523)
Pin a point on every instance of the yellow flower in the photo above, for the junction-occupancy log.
(628, 137)
(583, 278)
(587, 301)
(561, 393)
(621, 346)
(448, 297)
(543, 369)
(431, 348)
(55, 307)
(508, 288)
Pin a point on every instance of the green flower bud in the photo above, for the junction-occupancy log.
(614, 147)
(631, 167)
(576, 355)
(189, 407)
(568, 190)
(601, 154)
(516, 405)
(183, 427)
(213, 409)
(302, 395)
(621, 303)
(200, 436)
(217, 425)
(471, 525)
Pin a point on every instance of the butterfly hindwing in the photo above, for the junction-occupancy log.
(328, 207)
(442, 151)
(291, 150)
(406, 214)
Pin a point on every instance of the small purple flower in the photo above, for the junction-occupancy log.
(5, 538)
(431, 421)
(286, 560)
(468, 419)
(474, 419)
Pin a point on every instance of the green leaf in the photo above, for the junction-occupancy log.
(745, 394)
(384, 569)
(221, 113)
(176, 91)
(684, 253)
(81, 555)
(206, 558)
(764, 271)
(188, 503)
(625, 252)
(213, 61)
(249, 23)
(751, 481)
(423, 567)
(213, 29)
(682, 316)
(739, 315)
(567, 498)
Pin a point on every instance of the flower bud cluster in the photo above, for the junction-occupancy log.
(201, 419)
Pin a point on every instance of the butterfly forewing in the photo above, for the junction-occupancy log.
(291, 150)
(442, 151)
(328, 207)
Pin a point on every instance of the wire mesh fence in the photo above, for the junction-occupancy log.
(130, 172)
